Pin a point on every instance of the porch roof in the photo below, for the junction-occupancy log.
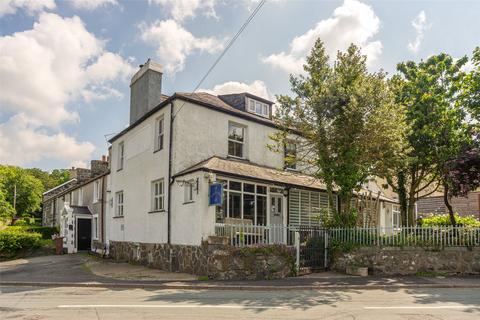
(81, 210)
(246, 169)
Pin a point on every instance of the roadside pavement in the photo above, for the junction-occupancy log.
(82, 270)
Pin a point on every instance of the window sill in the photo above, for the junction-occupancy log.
(188, 202)
(237, 158)
(117, 217)
(155, 151)
(119, 169)
(155, 211)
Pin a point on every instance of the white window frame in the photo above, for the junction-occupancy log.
(252, 107)
(396, 222)
(96, 191)
(119, 204)
(241, 192)
(290, 166)
(188, 190)
(159, 133)
(242, 143)
(158, 195)
(121, 156)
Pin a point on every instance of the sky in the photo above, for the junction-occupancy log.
(65, 66)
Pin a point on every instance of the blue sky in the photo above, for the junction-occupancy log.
(65, 65)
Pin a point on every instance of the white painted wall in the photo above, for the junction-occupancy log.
(200, 133)
(195, 221)
(141, 166)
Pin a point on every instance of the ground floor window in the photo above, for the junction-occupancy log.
(396, 216)
(307, 207)
(243, 200)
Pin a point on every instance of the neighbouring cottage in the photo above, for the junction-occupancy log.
(78, 208)
(464, 206)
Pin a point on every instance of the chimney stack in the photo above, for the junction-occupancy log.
(145, 89)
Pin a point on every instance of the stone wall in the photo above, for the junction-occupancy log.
(217, 261)
(405, 261)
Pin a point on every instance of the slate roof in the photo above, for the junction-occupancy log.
(248, 170)
(81, 210)
(205, 100)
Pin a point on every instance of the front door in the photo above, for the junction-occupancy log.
(84, 234)
(277, 233)
(276, 210)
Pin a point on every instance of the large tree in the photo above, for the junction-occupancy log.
(431, 92)
(21, 188)
(50, 180)
(349, 124)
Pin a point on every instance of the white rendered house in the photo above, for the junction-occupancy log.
(176, 147)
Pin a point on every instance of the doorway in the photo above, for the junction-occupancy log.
(84, 234)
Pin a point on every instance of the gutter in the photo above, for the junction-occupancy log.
(170, 180)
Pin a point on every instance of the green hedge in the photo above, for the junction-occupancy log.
(46, 232)
(12, 241)
(444, 220)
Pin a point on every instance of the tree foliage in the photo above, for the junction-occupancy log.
(50, 180)
(462, 173)
(349, 125)
(432, 93)
(28, 189)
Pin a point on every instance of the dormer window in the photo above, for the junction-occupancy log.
(257, 107)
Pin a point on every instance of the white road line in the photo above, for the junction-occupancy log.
(83, 306)
(424, 307)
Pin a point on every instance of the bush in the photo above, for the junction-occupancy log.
(13, 240)
(20, 222)
(444, 220)
(45, 232)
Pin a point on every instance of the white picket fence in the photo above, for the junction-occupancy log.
(443, 236)
(241, 235)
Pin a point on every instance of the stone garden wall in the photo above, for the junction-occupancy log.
(407, 260)
(216, 261)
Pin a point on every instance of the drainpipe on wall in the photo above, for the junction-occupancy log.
(170, 139)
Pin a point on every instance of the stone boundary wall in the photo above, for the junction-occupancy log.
(216, 261)
(410, 260)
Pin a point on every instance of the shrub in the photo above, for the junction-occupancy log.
(13, 240)
(20, 222)
(45, 232)
(444, 220)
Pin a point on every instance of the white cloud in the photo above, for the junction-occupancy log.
(30, 6)
(182, 9)
(352, 22)
(174, 43)
(257, 88)
(42, 71)
(420, 25)
(22, 143)
(92, 4)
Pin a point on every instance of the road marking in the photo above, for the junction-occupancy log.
(424, 307)
(83, 306)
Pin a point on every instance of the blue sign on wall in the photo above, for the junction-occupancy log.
(215, 194)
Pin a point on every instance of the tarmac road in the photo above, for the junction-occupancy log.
(73, 303)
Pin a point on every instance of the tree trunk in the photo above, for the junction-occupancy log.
(402, 196)
(448, 205)
(411, 209)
